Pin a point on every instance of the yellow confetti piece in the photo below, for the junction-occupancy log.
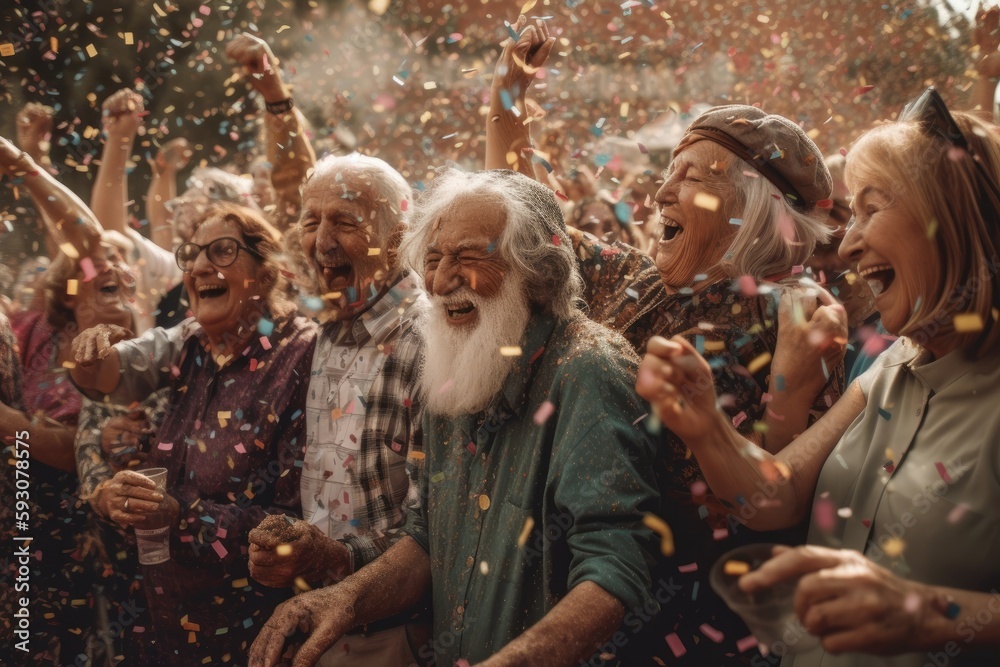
(6, 50)
(240, 583)
(484, 502)
(529, 525)
(932, 228)
(968, 323)
(707, 201)
(660, 527)
(159, 11)
(69, 250)
(528, 6)
(301, 584)
(336, 414)
(54, 44)
(416, 456)
(332, 295)
(735, 568)
(91, 50)
(894, 547)
(223, 416)
(68, 364)
(72, 286)
(510, 351)
(715, 345)
(372, 252)
(759, 362)
(283, 550)
(129, 39)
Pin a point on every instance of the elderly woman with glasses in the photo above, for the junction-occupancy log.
(900, 476)
(231, 440)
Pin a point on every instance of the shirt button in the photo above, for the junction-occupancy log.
(484, 502)
(918, 412)
(460, 610)
(470, 561)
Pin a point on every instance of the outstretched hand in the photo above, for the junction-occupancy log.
(122, 113)
(521, 59)
(281, 551)
(260, 65)
(326, 614)
(678, 383)
(812, 338)
(94, 344)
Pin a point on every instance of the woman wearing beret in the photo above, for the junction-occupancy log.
(742, 206)
(901, 475)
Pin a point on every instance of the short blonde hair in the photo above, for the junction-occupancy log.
(944, 194)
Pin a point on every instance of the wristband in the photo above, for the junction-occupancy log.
(278, 108)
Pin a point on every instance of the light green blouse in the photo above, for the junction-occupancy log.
(914, 483)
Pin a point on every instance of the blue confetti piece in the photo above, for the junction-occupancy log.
(631, 293)
(740, 500)
(247, 622)
(702, 511)
(884, 414)
(265, 326)
(694, 591)
(207, 519)
(735, 221)
(313, 302)
(779, 382)
(775, 155)
(295, 415)
(623, 212)
(351, 295)
(506, 100)
(510, 31)
(952, 610)
(699, 344)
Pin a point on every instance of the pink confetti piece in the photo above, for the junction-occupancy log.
(699, 488)
(690, 567)
(205, 10)
(943, 472)
(220, 550)
(253, 365)
(748, 286)
(165, 446)
(265, 343)
(543, 413)
(221, 533)
(824, 515)
(187, 538)
(720, 534)
(87, 265)
(403, 205)
(348, 461)
(139, 628)
(711, 633)
(747, 642)
(766, 398)
(240, 448)
(675, 644)
(739, 419)
(956, 514)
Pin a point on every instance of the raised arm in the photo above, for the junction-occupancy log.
(392, 583)
(987, 62)
(34, 132)
(122, 117)
(506, 132)
(678, 383)
(288, 148)
(812, 338)
(170, 159)
(67, 218)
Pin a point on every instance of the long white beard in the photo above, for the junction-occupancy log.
(463, 369)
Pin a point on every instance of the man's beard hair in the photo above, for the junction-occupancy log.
(463, 368)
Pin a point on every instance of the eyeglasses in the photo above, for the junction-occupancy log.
(931, 112)
(222, 252)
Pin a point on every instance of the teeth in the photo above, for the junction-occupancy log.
(876, 286)
(667, 222)
(864, 273)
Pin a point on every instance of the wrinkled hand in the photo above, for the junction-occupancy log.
(678, 384)
(146, 505)
(520, 60)
(34, 130)
(851, 603)
(326, 614)
(93, 344)
(809, 336)
(122, 113)
(260, 66)
(987, 31)
(312, 555)
(172, 156)
(124, 438)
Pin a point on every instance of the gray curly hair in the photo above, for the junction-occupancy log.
(534, 241)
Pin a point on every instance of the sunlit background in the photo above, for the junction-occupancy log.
(408, 80)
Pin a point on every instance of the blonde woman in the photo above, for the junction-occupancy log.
(901, 474)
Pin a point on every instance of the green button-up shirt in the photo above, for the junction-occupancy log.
(542, 491)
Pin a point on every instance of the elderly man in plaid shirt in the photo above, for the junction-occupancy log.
(363, 419)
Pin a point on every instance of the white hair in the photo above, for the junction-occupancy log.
(534, 241)
(222, 186)
(773, 236)
(389, 189)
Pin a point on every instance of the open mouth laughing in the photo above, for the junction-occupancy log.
(879, 277)
(671, 228)
(336, 275)
(211, 291)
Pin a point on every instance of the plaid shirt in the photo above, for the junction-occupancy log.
(363, 421)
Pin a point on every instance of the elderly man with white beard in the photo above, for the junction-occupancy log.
(525, 525)
(362, 408)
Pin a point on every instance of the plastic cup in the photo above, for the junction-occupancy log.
(769, 613)
(154, 543)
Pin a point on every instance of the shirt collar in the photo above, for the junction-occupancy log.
(383, 317)
(940, 373)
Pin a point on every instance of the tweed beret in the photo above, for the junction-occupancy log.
(773, 145)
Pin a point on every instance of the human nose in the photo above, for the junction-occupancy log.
(447, 277)
(667, 194)
(853, 246)
(326, 237)
(201, 263)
